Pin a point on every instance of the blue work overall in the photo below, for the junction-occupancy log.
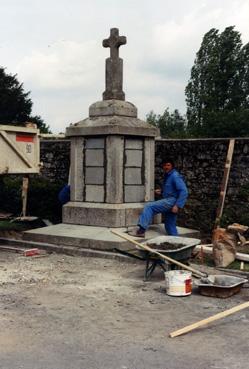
(174, 193)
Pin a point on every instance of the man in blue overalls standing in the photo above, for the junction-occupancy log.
(174, 193)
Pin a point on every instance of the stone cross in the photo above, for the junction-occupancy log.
(114, 67)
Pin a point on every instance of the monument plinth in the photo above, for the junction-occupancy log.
(112, 156)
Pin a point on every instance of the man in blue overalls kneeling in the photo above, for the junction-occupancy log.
(174, 192)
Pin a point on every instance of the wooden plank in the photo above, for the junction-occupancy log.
(8, 128)
(223, 314)
(224, 183)
(209, 250)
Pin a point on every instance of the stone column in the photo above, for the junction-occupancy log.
(114, 169)
(76, 169)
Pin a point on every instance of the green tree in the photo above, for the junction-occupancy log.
(171, 125)
(218, 90)
(15, 103)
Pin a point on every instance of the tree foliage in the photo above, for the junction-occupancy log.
(217, 93)
(171, 125)
(15, 103)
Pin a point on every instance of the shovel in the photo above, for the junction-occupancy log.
(147, 248)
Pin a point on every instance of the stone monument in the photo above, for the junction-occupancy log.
(112, 155)
(111, 174)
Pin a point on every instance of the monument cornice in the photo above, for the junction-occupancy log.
(112, 125)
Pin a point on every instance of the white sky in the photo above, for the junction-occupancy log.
(55, 48)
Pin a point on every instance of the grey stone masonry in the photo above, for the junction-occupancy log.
(133, 143)
(94, 175)
(133, 176)
(95, 143)
(112, 125)
(95, 193)
(102, 215)
(94, 158)
(134, 193)
(133, 158)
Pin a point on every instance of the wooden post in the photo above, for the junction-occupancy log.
(224, 183)
(25, 186)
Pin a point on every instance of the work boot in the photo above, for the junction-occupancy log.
(139, 232)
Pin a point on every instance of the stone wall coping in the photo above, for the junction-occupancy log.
(157, 139)
(201, 139)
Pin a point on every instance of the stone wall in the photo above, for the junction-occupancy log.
(55, 157)
(202, 164)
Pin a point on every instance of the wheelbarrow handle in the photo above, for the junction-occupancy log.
(145, 247)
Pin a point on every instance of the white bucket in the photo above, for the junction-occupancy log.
(178, 283)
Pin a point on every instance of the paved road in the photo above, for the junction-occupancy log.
(62, 312)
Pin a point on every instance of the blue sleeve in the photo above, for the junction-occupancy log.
(181, 191)
(64, 195)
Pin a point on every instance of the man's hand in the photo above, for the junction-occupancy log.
(158, 191)
(175, 209)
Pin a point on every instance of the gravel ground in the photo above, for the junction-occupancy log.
(62, 312)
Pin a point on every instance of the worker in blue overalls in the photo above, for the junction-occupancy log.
(174, 192)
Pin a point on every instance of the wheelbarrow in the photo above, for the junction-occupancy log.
(176, 248)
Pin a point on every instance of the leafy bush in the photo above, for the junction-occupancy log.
(42, 197)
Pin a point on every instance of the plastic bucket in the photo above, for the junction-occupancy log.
(178, 283)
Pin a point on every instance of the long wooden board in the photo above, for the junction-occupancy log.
(223, 314)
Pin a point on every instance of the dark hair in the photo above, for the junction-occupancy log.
(168, 160)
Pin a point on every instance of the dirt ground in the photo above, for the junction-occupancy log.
(62, 312)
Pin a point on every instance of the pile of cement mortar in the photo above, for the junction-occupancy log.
(166, 246)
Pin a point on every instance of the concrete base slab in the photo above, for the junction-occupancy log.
(66, 250)
(98, 238)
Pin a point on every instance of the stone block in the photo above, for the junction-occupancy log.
(94, 158)
(134, 193)
(103, 215)
(112, 107)
(133, 176)
(94, 176)
(133, 143)
(93, 216)
(94, 193)
(132, 215)
(95, 143)
(133, 158)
